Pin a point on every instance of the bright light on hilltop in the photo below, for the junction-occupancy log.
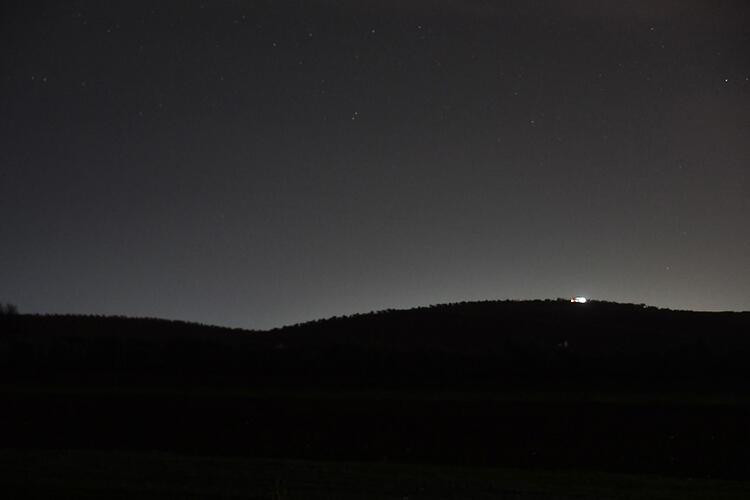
(579, 300)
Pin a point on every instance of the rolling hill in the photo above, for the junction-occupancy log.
(464, 344)
(597, 388)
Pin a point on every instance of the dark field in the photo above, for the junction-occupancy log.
(682, 439)
(117, 475)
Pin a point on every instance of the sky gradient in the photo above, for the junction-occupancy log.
(255, 164)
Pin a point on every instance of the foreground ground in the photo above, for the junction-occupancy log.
(83, 442)
(98, 474)
(676, 435)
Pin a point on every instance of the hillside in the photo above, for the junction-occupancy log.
(473, 343)
(539, 385)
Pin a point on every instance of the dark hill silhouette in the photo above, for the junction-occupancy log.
(550, 384)
(485, 343)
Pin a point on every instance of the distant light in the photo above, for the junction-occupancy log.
(579, 300)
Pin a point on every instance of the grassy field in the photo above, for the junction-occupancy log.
(600, 395)
(633, 434)
(99, 474)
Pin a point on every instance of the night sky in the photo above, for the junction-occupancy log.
(259, 163)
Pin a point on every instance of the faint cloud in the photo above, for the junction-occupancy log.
(676, 12)
(690, 12)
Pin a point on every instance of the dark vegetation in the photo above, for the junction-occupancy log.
(487, 345)
(97, 474)
(537, 385)
(8, 309)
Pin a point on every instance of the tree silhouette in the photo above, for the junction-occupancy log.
(8, 309)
